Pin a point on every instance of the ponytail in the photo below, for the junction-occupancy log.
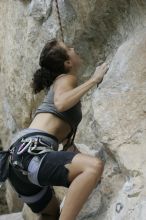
(42, 79)
(52, 60)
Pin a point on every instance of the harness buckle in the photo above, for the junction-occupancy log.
(18, 165)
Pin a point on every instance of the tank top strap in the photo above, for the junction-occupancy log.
(57, 78)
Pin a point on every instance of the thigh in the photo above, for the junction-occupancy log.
(82, 162)
(52, 170)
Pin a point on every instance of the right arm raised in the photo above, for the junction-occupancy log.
(66, 94)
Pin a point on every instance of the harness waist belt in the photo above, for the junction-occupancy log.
(45, 137)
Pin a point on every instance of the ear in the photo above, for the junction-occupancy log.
(68, 64)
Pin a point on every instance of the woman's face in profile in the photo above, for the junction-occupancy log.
(73, 55)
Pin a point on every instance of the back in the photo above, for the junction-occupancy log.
(73, 115)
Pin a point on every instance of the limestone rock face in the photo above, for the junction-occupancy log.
(16, 216)
(114, 114)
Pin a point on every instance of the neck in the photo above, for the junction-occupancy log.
(73, 72)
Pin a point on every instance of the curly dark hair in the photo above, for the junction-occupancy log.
(52, 60)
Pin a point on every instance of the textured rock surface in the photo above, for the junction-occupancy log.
(3, 203)
(16, 216)
(114, 114)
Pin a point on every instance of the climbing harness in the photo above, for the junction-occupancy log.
(59, 19)
(34, 146)
(33, 198)
(35, 143)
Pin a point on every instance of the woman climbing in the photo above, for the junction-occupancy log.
(36, 163)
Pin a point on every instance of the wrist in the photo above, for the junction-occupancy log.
(92, 81)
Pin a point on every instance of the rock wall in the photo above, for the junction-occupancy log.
(114, 114)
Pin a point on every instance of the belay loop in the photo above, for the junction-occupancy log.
(59, 19)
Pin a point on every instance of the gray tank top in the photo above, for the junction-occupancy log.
(73, 115)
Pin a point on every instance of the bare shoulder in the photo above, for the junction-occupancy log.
(65, 82)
